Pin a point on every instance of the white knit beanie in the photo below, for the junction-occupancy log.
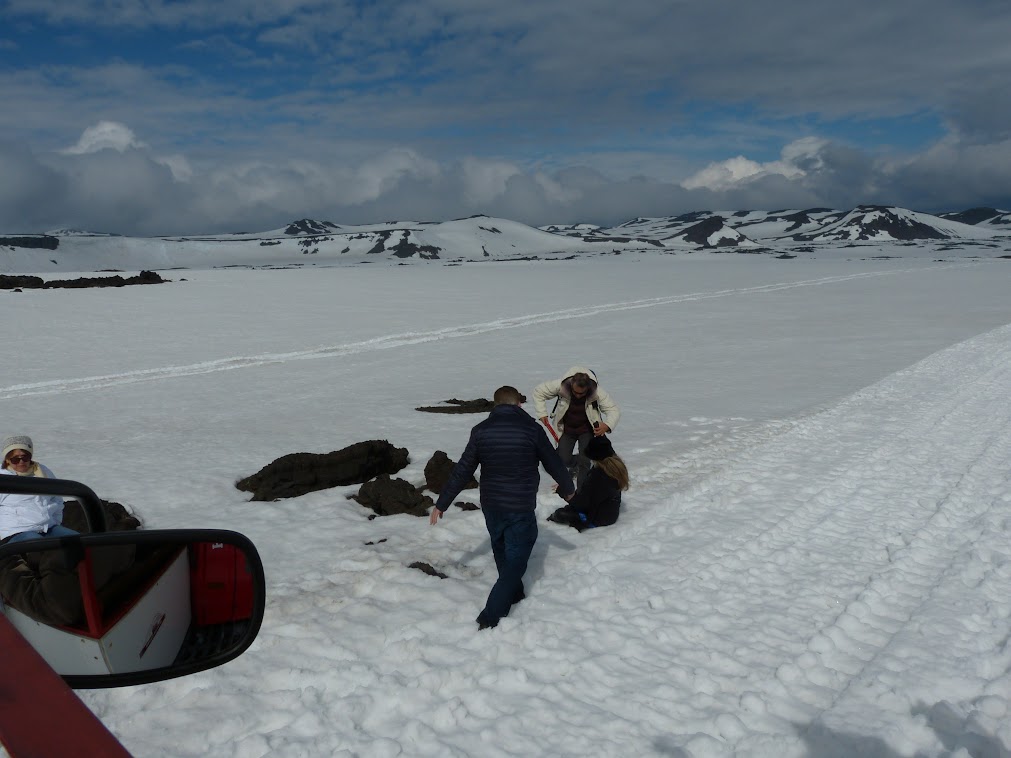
(17, 442)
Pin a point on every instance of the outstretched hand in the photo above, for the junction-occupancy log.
(435, 515)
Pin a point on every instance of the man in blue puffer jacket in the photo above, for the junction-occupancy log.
(508, 445)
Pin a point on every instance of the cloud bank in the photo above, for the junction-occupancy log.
(167, 118)
(109, 180)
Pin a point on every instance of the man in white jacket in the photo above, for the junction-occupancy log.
(582, 411)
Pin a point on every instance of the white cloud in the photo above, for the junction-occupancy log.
(105, 135)
(485, 180)
(804, 154)
(180, 167)
(796, 160)
(723, 174)
(111, 181)
(383, 173)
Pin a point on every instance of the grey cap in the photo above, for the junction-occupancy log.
(18, 442)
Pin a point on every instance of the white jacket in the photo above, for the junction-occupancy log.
(599, 405)
(29, 513)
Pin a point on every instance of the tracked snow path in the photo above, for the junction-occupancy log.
(841, 586)
(387, 342)
(823, 589)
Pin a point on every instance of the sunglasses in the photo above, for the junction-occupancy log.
(19, 458)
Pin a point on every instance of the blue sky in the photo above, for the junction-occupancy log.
(161, 116)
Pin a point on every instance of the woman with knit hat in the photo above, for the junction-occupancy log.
(24, 517)
(598, 500)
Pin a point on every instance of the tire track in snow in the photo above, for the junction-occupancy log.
(852, 647)
(392, 341)
(814, 546)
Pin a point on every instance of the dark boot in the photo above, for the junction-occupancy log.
(483, 622)
(520, 595)
(566, 515)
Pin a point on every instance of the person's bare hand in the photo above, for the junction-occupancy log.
(601, 429)
(435, 515)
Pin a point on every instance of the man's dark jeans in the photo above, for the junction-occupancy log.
(513, 534)
(577, 463)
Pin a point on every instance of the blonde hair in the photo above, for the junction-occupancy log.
(615, 468)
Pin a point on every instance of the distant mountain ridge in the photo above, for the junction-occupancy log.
(477, 238)
(981, 216)
(865, 223)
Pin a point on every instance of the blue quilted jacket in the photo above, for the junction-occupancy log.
(508, 446)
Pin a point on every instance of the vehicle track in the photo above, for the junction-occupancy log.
(813, 547)
(387, 342)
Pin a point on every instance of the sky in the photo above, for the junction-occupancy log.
(151, 117)
(812, 560)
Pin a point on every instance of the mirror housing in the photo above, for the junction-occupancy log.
(113, 609)
(128, 608)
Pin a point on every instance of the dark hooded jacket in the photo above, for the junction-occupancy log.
(599, 498)
(508, 445)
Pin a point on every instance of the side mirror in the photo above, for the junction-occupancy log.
(123, 608)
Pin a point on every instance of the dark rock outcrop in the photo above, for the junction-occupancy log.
(461, 406)
(117, 517)
(437, 472)
(37, 241)
(85, 282)
(388, 497)
(298, 473)
(427, 568)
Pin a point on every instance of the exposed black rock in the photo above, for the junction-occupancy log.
(36, 282)
(407, 249)
(298, 473)
(388, 497)
(461, 406)
(700, 233)
(437, 472)
(117, 517)
(426, 568)
(37, 241)
(380, 246)
(308, 226)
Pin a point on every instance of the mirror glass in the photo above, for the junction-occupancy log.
(121, 608)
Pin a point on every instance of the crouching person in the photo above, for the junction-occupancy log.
(598, 500)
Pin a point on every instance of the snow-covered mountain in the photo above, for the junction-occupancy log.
(985, 217)
(313, 242)
(872, 223)
(701, 230)
(865, 223)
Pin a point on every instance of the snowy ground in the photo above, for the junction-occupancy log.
(814, 559)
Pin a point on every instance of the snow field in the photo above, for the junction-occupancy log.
(813, 559)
